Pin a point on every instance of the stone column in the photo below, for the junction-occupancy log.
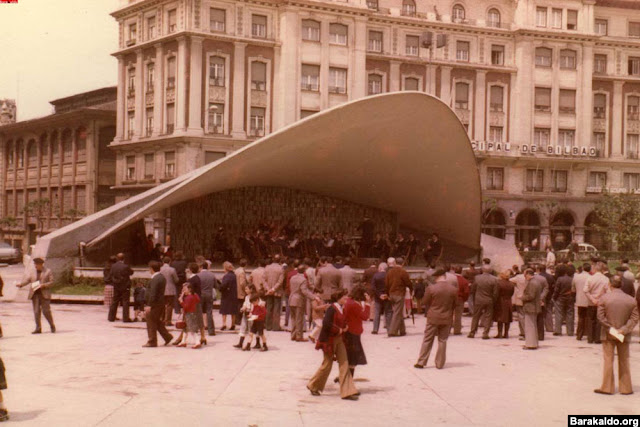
(522, 93)
(324, 66)
(394, 76)
(584, 99)
(239, 93)
(431, 79)
(359, 70)
(60, 172)
(91, 182)
(480, 109)
(445, 85)
(181, 85)
(158, 91)
(617, 116)
(74, 165)
(287, 72)
(121, 100)
(139, 102)
(195, 87)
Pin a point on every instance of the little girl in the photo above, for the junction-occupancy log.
(189, 300)
(245, 311)
(318, 307)
(257, 317)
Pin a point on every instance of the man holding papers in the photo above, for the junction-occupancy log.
(40, 281)
(618, 314)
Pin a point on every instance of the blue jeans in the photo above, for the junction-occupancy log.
(379, 308)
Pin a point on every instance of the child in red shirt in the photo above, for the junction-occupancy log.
(258, 316)
(189, 300)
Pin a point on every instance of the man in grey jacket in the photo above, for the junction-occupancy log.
(485, 293)
(208, 283)
(579, 281)
(300, 292)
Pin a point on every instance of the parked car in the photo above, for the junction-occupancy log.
(585, 252)
(9, 253)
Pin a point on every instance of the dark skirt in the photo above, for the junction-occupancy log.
(503, 310)
(191, 320)
(355, 352)
(3, 379)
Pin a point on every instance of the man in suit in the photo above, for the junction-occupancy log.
(274, 281)
(396, 283)
(597, 285)
(40, 297)
(300, 292)
(171, 290)
(532, 298)
(579, 281)
(349, 278)
(328, 278)
(208, 284)
(121, 278)
(154, 307)
(485, 293)
(619, 311)
(541, 318)
(463, 295)
(440, 300)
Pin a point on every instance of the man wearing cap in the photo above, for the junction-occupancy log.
(40, 296)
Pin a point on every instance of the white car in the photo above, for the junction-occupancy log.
(585, 252)
(9, 253)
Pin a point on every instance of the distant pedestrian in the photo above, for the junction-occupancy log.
(40, 281)
(229, 296)
(484, 291)
(189, 301)
(396, 283)
(154, 306)
(578, 283)
(597, 285)
(121, 278)
(257, 319)
(532, 299)
(503, 310)
(382, 305)
(356, 310)
(273, 289)
(564, 301)
(108, 281)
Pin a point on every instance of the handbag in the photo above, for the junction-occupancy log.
(181, 324)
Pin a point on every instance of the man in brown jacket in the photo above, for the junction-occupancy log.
(274, 282)
(396, 283)
(328, 278)
(298, 297)
(40, 296)
(618, 311)
(440, 300)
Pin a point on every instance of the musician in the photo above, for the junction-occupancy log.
(433, 251)
(412, 245)
(366, 229)
(399, 246)
(379, 247)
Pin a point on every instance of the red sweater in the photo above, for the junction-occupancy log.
(354, 314)
(190, 302)
(259, 311)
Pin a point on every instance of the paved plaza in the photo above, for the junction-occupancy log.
(96, 373)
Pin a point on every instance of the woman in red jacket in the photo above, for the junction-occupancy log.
(356, 310)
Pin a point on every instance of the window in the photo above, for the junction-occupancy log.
(543, 99)
(150, 76)
(567, 101)
(310, 77)
(256, 125)
(462, 96)
(597, 179)
(566, 137)
(306, 113)
(10, 154)
(534, 180)
(556, 18)
(458, 14)
(151, 27)
(634, 66)
(559, 181)
(598, 141)
(462, 51)
(216, 118)
(169, 164)
(600, 64)
(631, 181)
(310, 30)
(149, 127)
(541, 17)
(258, 75)
(493, 18)
(495, 133)
(171, 72)
(338, 34)
(496, 98)
(568, 59)
(217, 20)
(375, 84)
(602, 27)
(632, 145)
(133, 34)
(130, 169)
(171, 118)
(633, 108)
(634, 29)
(572, 20)
(55, 149)
(130, 124)
(497, 54)
(20, 151)
(375, 41)
(131, 82)
(412, 45)
(32, 153)
(543, 57)
(495, 178)
(259, 26)
(337, 80)
(599, 106)
(213, 156)
(44, 152)
(149, 166)
(172, 21)
(408, 8)
(372, 4)
(216, 71)
(541, 137)
(411, 83)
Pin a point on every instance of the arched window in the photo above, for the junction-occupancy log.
(561, 228)
(32, 153)
(493, 18)
(408, 8)
(310, 30)
(67, 147)
(20, 153)
(44, 149)
(81, 144)
(458, 14)
(375, 84)
(10, 154)
(528, 229)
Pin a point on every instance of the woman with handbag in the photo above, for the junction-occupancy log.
(189, 302)
(229, 298)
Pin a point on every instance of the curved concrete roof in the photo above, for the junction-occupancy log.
(405, 152)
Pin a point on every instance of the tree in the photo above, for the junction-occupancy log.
(39, 210)
(619, 219)
(489, 204)
(74, 214)
(7, 222)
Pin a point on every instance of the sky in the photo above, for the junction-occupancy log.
(50, 49)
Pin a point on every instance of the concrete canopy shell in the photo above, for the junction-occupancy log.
(403, 152)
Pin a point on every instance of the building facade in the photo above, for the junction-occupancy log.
(549, 91)
(57, 168)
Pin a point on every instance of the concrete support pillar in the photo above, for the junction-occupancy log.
(286, 89)
(394, 76)
(195, 87)
(513, 100)
(158, 91)
(617, 115)
(479, 109)
(522, 93)
(181, 85)
(431, 80)
(140, 103)
(239, 92)
(445, 85)
(121, 100)
(584, 101)
(359, 70)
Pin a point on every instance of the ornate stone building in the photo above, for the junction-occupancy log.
(549, 91)
(62, 158)
(8, 111)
